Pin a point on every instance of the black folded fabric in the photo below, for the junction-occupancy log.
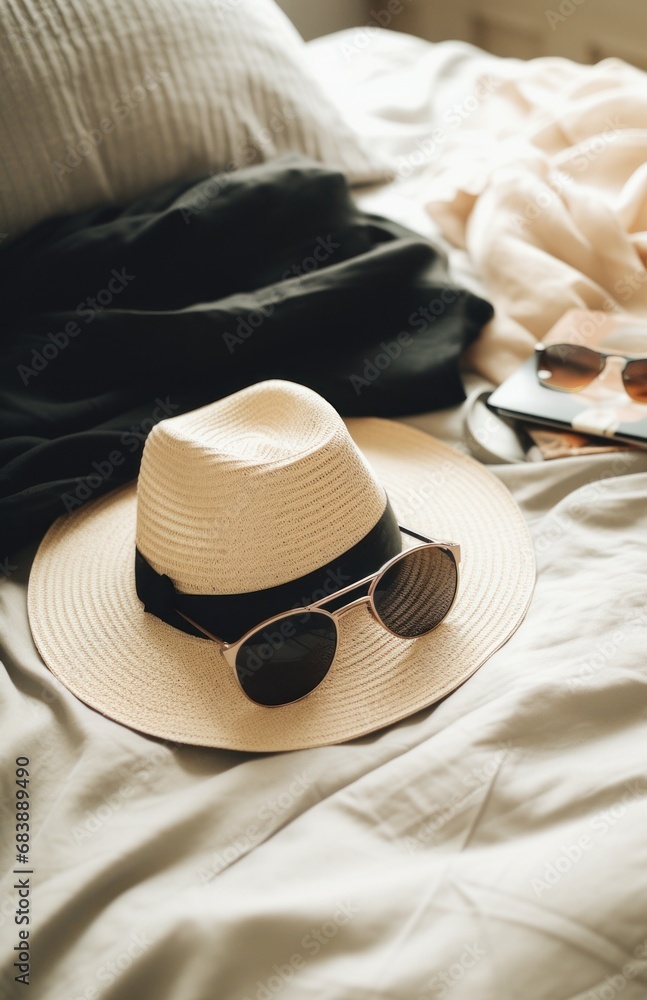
(117, 318)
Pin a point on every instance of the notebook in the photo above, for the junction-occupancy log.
(602, 409)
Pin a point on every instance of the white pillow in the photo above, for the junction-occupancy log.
(102, 100)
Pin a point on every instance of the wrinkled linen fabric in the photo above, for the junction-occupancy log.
(492, 847)
(546, 188)
(118, 318)
(534, 171)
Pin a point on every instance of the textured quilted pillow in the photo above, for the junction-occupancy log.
(102, 100)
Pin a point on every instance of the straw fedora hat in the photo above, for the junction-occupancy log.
(239, 506)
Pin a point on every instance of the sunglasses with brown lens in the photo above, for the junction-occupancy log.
(571, 367)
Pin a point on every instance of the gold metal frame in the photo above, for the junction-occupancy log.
(230, 650)
(627, 358)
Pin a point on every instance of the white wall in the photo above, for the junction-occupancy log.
(585, 30)
(320, 17)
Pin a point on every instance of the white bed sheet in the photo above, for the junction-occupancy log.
(491, 848)
(406, 97)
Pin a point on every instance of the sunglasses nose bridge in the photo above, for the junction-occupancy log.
(618, 358)
(611, 374)
(349, 607)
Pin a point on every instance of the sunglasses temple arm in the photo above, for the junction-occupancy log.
(414, 534)
(424, 538)
(204, 631)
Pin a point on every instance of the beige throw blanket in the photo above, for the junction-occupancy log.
(545, 184)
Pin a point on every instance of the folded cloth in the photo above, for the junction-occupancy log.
(117, 318)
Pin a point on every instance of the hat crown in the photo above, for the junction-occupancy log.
(253, 491)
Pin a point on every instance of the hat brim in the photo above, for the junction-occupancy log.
(94, 635)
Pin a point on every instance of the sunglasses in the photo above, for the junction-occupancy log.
(287, 656)
(569, 368)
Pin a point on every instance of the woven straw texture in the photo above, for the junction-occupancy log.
(94, 635)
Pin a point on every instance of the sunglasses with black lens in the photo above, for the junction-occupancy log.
(286, 657)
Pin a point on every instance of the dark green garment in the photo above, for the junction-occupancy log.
(117, 318)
